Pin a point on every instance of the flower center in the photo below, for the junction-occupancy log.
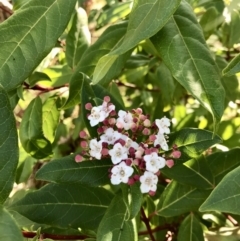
(122, 173)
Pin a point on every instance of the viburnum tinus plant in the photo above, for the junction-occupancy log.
(133, 143)
(119, 120)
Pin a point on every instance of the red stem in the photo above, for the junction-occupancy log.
(146, 221)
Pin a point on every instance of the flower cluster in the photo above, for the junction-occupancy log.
(134, 144)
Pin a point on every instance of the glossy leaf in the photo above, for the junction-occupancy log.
(113, 14)
(115, 224)
(190, 229)
(66, 170)
(182, 47)
(31, 134)
(192, 142)
(233, 67)
(28, 36)
(75, 89)
(50, 115)
(78, 38)
(8, 147)
(195, 172)
(222, 163)
(65, 205)
(9, 230)
(36, 77)
(230, 83)
(226, 196)
(101, 47)
(178, 199)
(141, 28)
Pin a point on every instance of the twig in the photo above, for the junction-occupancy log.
(54, 236)
(5, 9)
(146, 221)
(128, 85)
(43, 89)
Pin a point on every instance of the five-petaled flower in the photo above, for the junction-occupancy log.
(95, 148)
(154, 162)
(148, 182)
(118, 153)
(121, 173)
(125, 120)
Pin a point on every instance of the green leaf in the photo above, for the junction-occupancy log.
(33, 33)
(109, 67)
(75, 89)
(106, 42)
(30, 132)
(8, 147)
(178, 199)
(113, 14)
(192, 142)
(230, 30)
(78, 38)
(222, 163)
(195, 172)
(9, 230)
(50, 115)
(190, 229)
(230, 83)
(183, 49)
(115, 224)
(226, 196)
(36, 77)
(233, 67)
(139, 27)
(210, 20)
(65, 205)
(66, 170)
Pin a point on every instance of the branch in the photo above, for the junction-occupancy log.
(5, 9)
(146, 221)
(43, 89)
(54, 236)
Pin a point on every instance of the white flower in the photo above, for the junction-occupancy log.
(97, 115)
(110, 136)
(163, 125)
(160, 140)
(107, 108)
(148, 182)
(118, 153)
(154, 162)
(129, 142)
(95, 148)
(125, 120)
(121, 173)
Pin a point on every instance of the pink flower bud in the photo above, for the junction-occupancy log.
(170, 163)
(112, 121)
(84, 144)
(100, 130)
(151, 193)
(78, 158)
(83, 134)
(148, 151)
(147, 123)
(143, 117)
(104, 151)
(131, 181)
(136, 177)
(136, 162)
(88, 106)
(134, 127)
(129, 162)
(107, 98)
(113, 113)
(176, 154)
(138, 111)
(135, 120)
(146, 131)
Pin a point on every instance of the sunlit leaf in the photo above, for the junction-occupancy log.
(31, 133)
(183, 49)
(28, 36)
(178, 199)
